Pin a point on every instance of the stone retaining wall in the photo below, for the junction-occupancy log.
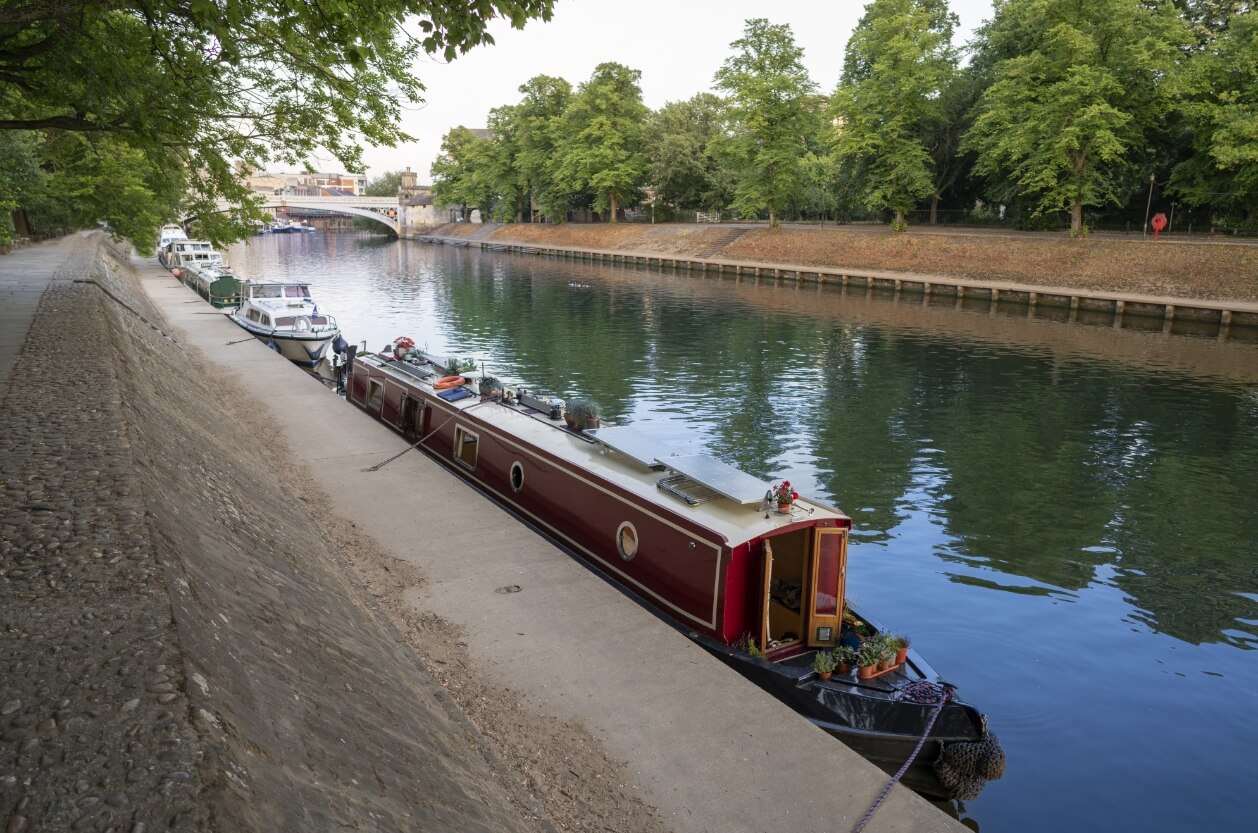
(183, 649)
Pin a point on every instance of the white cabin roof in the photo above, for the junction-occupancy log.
(625, 459)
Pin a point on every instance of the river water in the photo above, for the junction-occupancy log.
(1064, 517)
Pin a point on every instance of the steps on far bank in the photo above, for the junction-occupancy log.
(727, 237)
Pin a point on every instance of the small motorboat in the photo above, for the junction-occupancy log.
(283, 315)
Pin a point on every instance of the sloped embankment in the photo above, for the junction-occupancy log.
(190, 654)
(1213, 270)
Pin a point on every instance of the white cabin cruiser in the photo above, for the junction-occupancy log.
(169, 232)
(284, 316)
(180, 254)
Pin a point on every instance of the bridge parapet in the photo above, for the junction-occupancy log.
(384, 210)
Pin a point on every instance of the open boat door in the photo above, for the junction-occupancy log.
(766, 577)
(829, 578)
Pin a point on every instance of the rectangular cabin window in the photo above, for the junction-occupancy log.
(465, 447)
(376, 395)
(318, 320)
(285, 321)
(252, 315)
(296, 292)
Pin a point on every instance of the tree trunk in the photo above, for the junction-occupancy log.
(934, 209)
(1076, 217)
(611, 198)
(773, 216)
(900, 222)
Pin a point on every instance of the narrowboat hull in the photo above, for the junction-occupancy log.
(695, 567)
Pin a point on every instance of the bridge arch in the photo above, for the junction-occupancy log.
(383, 210)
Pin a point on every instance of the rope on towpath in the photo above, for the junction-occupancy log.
(424, 438)
(918, 691)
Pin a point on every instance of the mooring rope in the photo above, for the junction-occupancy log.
(427, 436)
(918, 691)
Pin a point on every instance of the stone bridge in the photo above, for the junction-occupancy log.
(386, 210)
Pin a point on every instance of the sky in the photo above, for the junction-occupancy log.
(678, 45)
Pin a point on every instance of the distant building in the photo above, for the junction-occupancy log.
(307, 184)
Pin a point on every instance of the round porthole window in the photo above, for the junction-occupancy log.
(627, 541)
(517, 477)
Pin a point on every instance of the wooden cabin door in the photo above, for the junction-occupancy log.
(765, 578)
(825, 590)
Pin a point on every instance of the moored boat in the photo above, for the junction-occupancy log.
(283, 315)
(168, 233)
(214, 282)
(181, 253)
(702, 543)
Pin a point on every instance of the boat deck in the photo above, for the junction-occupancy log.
(633, 460)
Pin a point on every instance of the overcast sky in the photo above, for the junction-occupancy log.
(678, 45)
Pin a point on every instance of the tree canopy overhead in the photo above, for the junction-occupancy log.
(198, 87)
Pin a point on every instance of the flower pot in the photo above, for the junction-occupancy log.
(886, 664)
(866, 672)
(784, 508)
(843, 668)
(825, 675)
(901, 655)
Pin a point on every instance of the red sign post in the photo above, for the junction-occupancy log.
(1158, 223)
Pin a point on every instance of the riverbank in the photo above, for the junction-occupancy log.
(220, 621)
(1213, 271)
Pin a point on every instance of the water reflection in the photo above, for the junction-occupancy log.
(1061, 515)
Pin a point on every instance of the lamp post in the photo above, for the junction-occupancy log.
(1144, 232)
(1171, 224)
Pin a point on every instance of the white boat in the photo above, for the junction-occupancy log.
(284, 316)
(179, 254)
(169, 232)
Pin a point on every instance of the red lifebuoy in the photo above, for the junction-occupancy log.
(447, 382)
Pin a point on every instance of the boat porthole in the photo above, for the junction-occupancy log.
(517, 477)
(627, 541)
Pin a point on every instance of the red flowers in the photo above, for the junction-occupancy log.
(783, 493)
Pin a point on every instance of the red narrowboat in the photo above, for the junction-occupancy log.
(702, 543)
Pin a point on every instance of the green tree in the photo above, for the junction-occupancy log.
(603, 149)
(384, 185)
(898, 64)
(682, 171)
(196, 86)
(1222, 170)
(461, 174)
(770, 118)
(1076, 86)
(537, 133)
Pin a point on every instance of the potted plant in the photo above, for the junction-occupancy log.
(844, 658)
(900, 642)
(584, 413)
(823, 664)
(490, 387)
(784, 496)
(748, 645)
(867, 659)
(886, 652)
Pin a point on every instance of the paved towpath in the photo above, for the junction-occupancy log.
(711, 751)
(24, 275)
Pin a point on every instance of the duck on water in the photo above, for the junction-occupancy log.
(701, 543)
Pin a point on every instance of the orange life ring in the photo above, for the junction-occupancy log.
(447, 382)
